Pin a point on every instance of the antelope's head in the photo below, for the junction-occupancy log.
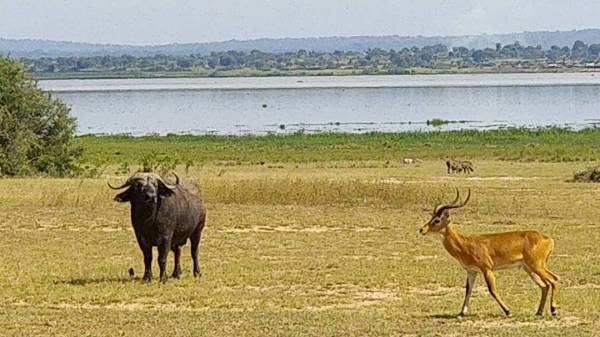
(441, 215)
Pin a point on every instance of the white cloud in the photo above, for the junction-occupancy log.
(162, 21)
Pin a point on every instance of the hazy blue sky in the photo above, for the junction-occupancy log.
(158, 22)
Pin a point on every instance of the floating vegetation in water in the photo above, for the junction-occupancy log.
(440, 122)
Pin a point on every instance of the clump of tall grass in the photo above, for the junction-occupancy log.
(313, 192)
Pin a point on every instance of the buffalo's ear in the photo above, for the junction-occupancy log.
(123, 197)
(164, 191)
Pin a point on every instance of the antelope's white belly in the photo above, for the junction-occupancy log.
(510, 265)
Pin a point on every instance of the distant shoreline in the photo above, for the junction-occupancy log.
(304, 73)
(321, 82)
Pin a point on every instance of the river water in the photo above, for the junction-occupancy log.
(235, 106)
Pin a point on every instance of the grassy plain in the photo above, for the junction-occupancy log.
(300, 248)
(548, 145)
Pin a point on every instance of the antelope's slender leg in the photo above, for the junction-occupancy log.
(555, 283)
(542, 284)
(490, 280)
(471, 277)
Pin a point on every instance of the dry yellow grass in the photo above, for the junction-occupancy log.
(325, 249)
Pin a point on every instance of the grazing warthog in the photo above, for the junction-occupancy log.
(466, 167)
(164, 214)
(452, 165)
(459, 166)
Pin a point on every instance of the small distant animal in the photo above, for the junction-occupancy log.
(164, 214)
(452, 165)
(459, 166)
(131, 272)
(486, 253)
(466, 167)
(412, 160)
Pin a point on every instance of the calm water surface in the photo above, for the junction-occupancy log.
(349, 104)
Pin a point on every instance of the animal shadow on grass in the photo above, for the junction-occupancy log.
(444, 316)
(82, 281)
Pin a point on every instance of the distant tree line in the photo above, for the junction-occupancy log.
(389, 61)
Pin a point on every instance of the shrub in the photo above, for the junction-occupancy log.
(36, 130)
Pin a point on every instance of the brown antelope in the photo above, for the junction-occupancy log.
(489, 252)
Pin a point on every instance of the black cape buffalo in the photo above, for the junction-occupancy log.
(164, 214)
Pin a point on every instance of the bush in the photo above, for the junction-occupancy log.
(36, 130)
(591, 174)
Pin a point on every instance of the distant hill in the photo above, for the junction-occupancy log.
(44, 48)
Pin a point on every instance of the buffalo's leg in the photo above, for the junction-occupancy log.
(177, 270)
(163, 251)
(195, 242)
(147, 250)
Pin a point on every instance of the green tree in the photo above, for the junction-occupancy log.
(36, 130)
(579, 50)
(594, 49)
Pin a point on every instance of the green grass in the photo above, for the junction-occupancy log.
(551, 144)
(298, 249)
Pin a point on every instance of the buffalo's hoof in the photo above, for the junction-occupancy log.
(163, 280)
(146, 279)
(197, 274)
(176, 275)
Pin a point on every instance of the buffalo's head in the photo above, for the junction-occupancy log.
(146, 188)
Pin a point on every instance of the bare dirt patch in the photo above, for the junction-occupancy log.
(433, 290)
(561, 322)
(315, 229)
(425, 257)
(585, 286)
(437, 179)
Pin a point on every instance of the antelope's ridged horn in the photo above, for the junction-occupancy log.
(457, 197)
(454, 203)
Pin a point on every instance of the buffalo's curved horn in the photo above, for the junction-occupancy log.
(126, 184)
(129, 181)
(170, 186)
